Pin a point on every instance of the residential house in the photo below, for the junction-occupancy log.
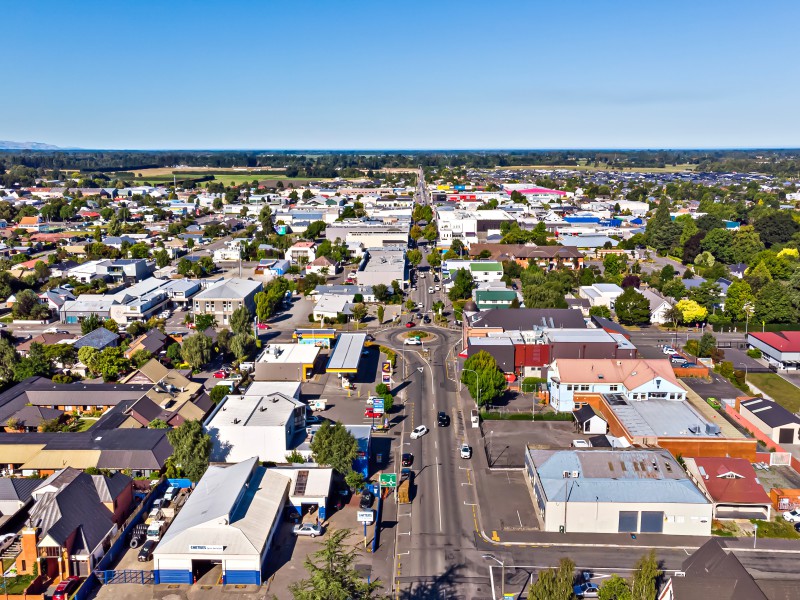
(46, 339)
(223, 298)
(100, 339)
(732, 485)
(301, 252)
(36, 224)
(659, 306)
(153, 341)
(322, 266)
(126, 270)
(15, 495)
(601, 294)
(544, 257)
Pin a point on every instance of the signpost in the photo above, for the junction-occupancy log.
(388, 480)
(365, 516)
(386, 372)
(377, 405)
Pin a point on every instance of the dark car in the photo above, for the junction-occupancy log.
(426, 319)
(66, 587)
(408, 459)
(367, 498)
(797, 527)
(443, 420)
(435, 279)
(146, 553)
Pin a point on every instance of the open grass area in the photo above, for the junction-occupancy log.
(224, 176)
(780, 390)
(17, 585)
(776, 529)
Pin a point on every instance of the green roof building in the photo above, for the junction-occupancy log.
(486, 299)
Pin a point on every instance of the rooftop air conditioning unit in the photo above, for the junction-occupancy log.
(694, 429)
(575, 474)
(566, 474)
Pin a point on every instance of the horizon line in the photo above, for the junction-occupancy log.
(417, 150)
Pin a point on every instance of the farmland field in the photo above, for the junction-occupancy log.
(225, 176)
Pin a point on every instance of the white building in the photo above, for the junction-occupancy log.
(601, 294)
(229, 519)
(634, 379)
(659, 306)
(268, 421)
(615, 491)
(304, 252)
(330, 306)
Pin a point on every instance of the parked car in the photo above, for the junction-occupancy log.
(586, 590)
(580, 444)
(263, 326)
(160, 503)
(408, 459)
(146, 553)
(426, 319)
(688, 365)
(793, 516)
(410, 324)
(668, 350)
(797, 527)
(220, 374)
(309, 529)
(677, 359)
(418, 432)
(367, 498)
(466, 451)
(66, 587)
(443, 420)
(6, 540)
(171, 493)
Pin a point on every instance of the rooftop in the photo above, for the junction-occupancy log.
(631, 372)
(305, 354)
(783, 341)
(230, 289)
(265, 404)
(347, 353)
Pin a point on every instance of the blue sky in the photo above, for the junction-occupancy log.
(304, 74)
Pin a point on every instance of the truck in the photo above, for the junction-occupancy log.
(404, 487)
(318, 404)
(475, 418)
(155, 530)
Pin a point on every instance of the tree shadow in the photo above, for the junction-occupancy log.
(441, 586)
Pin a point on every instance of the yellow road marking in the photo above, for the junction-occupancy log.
(495, 537)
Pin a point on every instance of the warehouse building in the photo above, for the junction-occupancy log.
(286, 362)
(615, 491)
(228, 521)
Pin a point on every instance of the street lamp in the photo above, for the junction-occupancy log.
(502, 572)
(748, 310)
(755, 534)
(477, 382)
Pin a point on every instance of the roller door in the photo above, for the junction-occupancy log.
(174, 576)
(652, 521)
(242, 578)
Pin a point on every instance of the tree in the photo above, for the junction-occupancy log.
(8, 360)
(415, 233)
(41, 270)
(615, 588)
(91, 323)
(242, 345)
(613, 265)
(555, 584)
(139, 250)
(359, 312)
(632, 308)
(434, 259)
(162, 258)
(776, 227)
(708, 294)
(36, 363)
(314, 229)
(691, 311)
(158, 424)
(430, 232)
(746, 244)
(335, 447)
(645, 577)
(600, 311)
(707, 345)
(674, 289)
(739, 295)
(27, 306)
(631, 281)
(265, 218)
(240, 320)
(719, 243)
(774, 304)
(174, 353)
(489, 384)
(381, 292)
(141, 357)
(332, 572)
(196, 350)
(414, 257)
(136, 328)
(543, 296)
(381, 312)
(110, 363)
(191, 449)
(462, 286)
(218, 393)
(204, 321)
(111, 325)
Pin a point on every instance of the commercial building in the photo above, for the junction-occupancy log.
(267, 421)
(488, 298)
(287, 362)
(383, 265)
(780, 425)
(138, 302)
(780, 348)
(469, 226)
(486, 271)
(230, 520)
(732, 486)
(346, 355)
(322, 338)
(309, 488)
(544, 257)
(330, 306)
(482, 323)
(225, 297)
(368, 234)
(615, 491)
(343, 290)
(601, 294)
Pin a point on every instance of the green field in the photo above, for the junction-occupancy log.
(780, 390)
(224, 178)
(582, 166)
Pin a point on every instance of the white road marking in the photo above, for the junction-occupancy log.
(438, 494)
(520, 519)
(469, 503)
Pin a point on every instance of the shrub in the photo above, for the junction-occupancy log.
(754, 353)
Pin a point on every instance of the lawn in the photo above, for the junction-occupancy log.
(780, 390)
(17, 585)
(776, 529)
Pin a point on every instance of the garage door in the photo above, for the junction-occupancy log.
(652, 521)
(786, 436)
(628, 521)
(242, 578)
(174, 576)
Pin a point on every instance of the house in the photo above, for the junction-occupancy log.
(268, 421)
(634, 379)
(588, 422)
(301, 252)
(46, 339)
(71, 523)
(732, 485)
(153, 341)
(781, 349)
(172, 399)
(223, 298)
(16, 494)
(322, 266)
(35, 224)
(659, 306)
(30, 418)
(615, 491)
(772, 419)
(330, 306)
(279, 268)
(488, 298)
(601, 294)
(545, 257)
(99, 339)
(230, 519)
(125, 270)
(56, 297)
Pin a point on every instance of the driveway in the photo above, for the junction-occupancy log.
(716, 388)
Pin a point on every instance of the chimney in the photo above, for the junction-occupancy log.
(29, 554)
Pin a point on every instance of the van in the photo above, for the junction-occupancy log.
(171, 493)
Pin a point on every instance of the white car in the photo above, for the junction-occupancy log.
(418, 432)
(309, 529)
(466, 451)
(51, 330)
(668, 350)
(412, 342)
(793, 516)
(580, 444)
(437, 288)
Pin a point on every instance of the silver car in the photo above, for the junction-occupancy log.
(307, 529)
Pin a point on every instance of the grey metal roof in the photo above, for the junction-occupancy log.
(771, 413)
(347, 353)
(17, 488)
(529, 318)
(230, 289)
(99, 338)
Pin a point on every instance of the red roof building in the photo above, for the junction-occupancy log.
(732, 485)
(779, 348)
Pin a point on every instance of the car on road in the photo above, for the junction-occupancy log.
(668, 350)
(420, 305)
(437, 288)
(586, 590)
(412, 342)
(309, 529)
(465, 451)
(426, 319)
(407, 459)
(66, 587)
(263, 326)
(367, 498)
(442, 419)
(793, 516)
(146, 552)
(418, 432)
(164, 315)
(430, 290)
(410, 324)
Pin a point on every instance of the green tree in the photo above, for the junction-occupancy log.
(600, 311)
(359, 312)
(110, 363)
(314, 229)
(774, 304)
(632, 308)
(332, 573)
(162, 258)
(707, 345)
(430, 232)
(158, 424)
(335, 447)
(27, 306)
(489, 383)
(204, 321)
(739, 295)
(646, 577)
(414, 257)
(196, 350)
(776, 227)
(8, 360)
(191, 449)
(707, 294)
(136, 328)
(746, 244)
(139, 250)
(111, 325)
(218, 393)
(36, 363)
(265, 218)
(91, 323)
(462, 286)
(615, 588)
(691, 311)
(613, 265)
(719, 243)
(555, 584)
(381, 312)
(434, 259)
(242, 345)
(543, 296)
(415, 233)
(141, 357)
(241, 320)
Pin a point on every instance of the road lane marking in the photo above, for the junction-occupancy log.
(469, 503)
(438, 494)
(520, 519)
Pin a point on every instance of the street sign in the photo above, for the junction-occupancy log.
(388, 480)
(365, 516)
(377, 405)
(386, 367)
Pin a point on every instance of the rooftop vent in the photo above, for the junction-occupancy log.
(694, 429)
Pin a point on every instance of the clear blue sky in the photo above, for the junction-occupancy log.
(385, 74)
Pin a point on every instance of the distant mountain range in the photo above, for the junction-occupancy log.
(6, 145)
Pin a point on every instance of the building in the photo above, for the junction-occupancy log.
(330, 306)
(322, 266)
(383, 265)
(368, 234)
(469, 226)
(346, 355)
(601, 294)
(138, 302)
(15, 495)
(544, 257)
(484, 271)
(309, 489)
(229, 519)
(588, 422)
(301, 252)
(344, 290)
(615, 491)
(72, 521)
(287, 362)
(482, 323)
(99, 339)
(732, 486)
(152, 341)
(633, 379)
(781, 349)
(125, 270)
(267, 421)
(659, 306)
(780, 425)
(489, 298)
(222, 299)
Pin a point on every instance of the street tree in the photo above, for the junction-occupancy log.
(632, 308)
(462, 286)
(196, 350)
(241, 320)
(615, 588)
(691, 311)
(27, 306)
(414, 257)
(381, 312)
(774, 304)
(191, 449)
(335, 447)
(489, 383)
(543, 296)
(646, 577)
(359, 312)
(415, 233)
(265, 218)
(555, 584)
(434, 259)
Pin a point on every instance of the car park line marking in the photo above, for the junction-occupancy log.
(469, 503)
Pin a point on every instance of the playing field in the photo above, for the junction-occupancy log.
(225, 176)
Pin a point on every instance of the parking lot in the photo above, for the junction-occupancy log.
(505, 441)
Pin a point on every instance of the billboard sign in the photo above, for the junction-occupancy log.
(365, 516)
(377, 405)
